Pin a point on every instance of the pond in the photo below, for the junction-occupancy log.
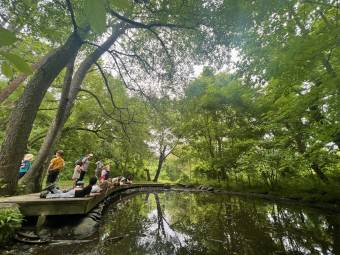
(205, 223)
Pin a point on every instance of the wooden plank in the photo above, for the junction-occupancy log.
(33, 205)
(8, 205)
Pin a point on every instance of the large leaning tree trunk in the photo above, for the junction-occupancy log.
(32, 181)
(21, 120)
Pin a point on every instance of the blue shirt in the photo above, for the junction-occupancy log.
(25, 166)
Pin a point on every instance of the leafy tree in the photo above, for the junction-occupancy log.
(153, 24)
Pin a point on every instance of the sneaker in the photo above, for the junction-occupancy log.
(44, 193)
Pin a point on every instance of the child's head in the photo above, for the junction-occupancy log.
(29, 157)
(93, 180)
(60, 153)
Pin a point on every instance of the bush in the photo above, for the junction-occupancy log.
(10, 221)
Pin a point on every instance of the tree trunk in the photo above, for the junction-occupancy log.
(317, 169)
(159, 167)
(148, 177)
(33, 181)
(21, 120)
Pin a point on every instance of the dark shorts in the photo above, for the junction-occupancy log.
(21, 174)
(81, 177)
(52, 176)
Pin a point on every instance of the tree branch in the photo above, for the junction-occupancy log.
(98, 101)
(70, 9)
(137, 24)
(108, 87)
(96, 131)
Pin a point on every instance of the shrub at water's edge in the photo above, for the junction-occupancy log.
(10, 221)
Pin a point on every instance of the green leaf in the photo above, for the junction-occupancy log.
(6, 37)
(18, 62)
(6, 70)
(124, 5)
(96, 15)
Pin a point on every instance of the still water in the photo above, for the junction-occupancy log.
(206, 223)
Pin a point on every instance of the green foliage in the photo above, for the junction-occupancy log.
(10, 222)
(273, 121)
(96, 15)
(6, 37)
(123, 5)
(18, 62)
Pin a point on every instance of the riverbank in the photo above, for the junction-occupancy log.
(325, 196)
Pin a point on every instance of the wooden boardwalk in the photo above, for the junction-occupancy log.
(33, 205)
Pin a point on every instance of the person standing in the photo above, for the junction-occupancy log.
(86, 162)
(105, 174)
(99, 167)
(77, 170)
(56, 165)
(26, 165)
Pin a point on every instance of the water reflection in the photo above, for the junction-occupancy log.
(205, 223)
(187, 223)
(160, 233)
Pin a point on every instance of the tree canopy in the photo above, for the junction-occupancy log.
(117, 78)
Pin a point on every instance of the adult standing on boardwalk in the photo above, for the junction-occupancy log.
(77, 170)
(99, 168)
(86, 162)
(56, 165)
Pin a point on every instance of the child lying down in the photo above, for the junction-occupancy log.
(78, 191)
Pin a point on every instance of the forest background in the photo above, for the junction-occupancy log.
(115, 78)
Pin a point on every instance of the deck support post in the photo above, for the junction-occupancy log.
(40, 223)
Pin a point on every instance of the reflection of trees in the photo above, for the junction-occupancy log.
(243, 226)
(187, 223)
(127, 219)
(166, 239)
(160, 217)
(300, 231)
(334, 228)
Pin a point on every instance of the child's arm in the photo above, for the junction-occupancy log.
(50, 166)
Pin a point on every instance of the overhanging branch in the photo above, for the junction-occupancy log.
(70, 9)
(137, 24)
(106, 82)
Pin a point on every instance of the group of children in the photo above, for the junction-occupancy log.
(102, 173)
(58, 163)
(92, 189)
